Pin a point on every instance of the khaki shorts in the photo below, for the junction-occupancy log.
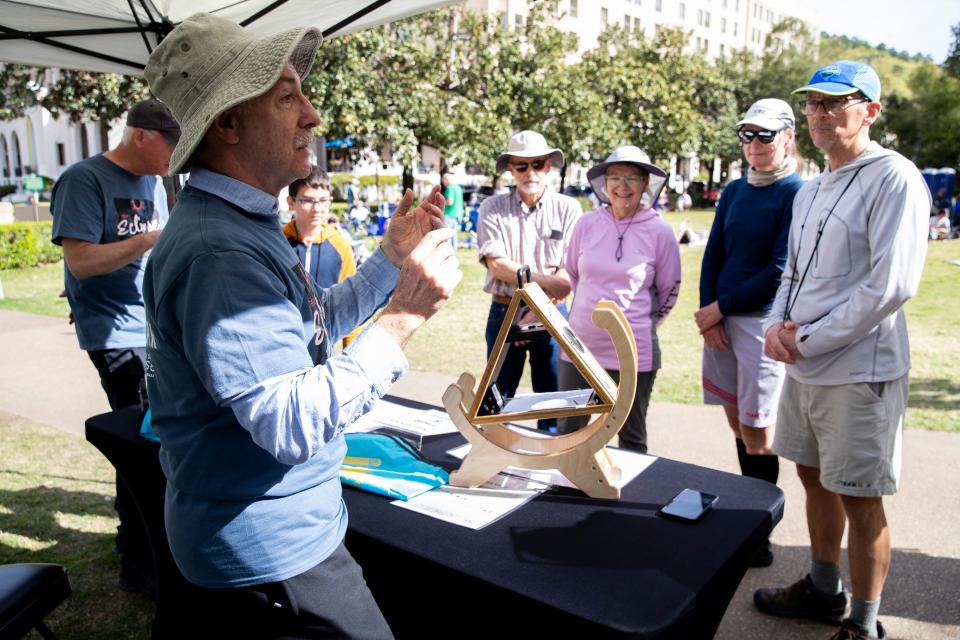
(853, 433)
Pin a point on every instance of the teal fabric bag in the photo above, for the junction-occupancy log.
(389, 466)
(146, 429)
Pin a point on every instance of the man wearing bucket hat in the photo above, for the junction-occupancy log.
(625, 252)
(855, 256)
(250, 426)
(107, 214)
(529, 226)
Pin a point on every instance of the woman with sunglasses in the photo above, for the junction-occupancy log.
(625, 252)
(742, 265)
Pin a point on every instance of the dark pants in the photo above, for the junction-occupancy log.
(121, 371)
(543, 360)
(331, 600)
(633, 433)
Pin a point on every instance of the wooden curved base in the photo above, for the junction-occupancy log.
(591, 470)
(580, 456)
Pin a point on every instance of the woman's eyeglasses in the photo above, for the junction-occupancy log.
(764, 136)
(521, 167)
(631, 181)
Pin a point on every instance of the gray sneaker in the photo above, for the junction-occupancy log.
(802, 600)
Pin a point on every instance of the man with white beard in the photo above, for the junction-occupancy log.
(530, 226)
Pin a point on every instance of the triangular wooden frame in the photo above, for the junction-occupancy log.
(556, 325)
(580, 456)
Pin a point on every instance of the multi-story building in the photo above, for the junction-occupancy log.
(716, 27)
(37, 143)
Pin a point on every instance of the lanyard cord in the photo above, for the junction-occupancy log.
(816, 245)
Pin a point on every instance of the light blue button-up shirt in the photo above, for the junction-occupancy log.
(250, 429)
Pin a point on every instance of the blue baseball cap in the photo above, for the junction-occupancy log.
(844, 77)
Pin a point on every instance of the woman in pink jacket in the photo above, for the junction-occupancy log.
(625, 252)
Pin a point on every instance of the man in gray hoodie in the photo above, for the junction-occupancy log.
(856, 252)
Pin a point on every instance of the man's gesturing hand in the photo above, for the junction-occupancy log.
(407, 228)
(428, 277)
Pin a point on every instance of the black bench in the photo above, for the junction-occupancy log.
(28, 593)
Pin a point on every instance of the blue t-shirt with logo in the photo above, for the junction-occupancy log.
(99, 202)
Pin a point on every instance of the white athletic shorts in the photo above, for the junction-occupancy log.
(744, 376)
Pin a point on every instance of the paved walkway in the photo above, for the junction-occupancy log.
(46, 378)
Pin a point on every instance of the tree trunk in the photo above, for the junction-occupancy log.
(563, 176)
(407, 177)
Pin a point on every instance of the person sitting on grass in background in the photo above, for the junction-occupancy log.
(940, 229)
(359, 214)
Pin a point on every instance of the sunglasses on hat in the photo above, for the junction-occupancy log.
(764, 136)
(521, 167)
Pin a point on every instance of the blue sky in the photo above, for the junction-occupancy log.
(917, 26)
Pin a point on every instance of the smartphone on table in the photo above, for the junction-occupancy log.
(689, 505)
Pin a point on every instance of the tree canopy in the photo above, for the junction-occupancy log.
(462, 82)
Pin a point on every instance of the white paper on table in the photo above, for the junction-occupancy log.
(548, 400)
(471, 508)
(631, 465)
(390, 415)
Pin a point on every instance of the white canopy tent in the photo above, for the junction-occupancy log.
(118, 35)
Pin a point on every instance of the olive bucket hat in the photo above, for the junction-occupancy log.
(209, 64)
(628, 155)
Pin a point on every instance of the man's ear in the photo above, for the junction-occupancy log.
(873, 113)
(226, 127)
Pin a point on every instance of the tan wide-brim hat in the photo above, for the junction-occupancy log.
(597, 175)
(528, 144)
(209, 64)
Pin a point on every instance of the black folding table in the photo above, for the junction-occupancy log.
(562, 565)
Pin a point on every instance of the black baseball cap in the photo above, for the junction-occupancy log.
(153, 115)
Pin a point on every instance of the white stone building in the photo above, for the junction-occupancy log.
(39, 144)
(716, 27)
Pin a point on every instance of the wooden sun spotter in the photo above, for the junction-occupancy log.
(580, 456)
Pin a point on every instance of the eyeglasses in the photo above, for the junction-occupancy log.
(521, 167)
(631, 181)
(765, 137)
(831, 106)
(313, 202)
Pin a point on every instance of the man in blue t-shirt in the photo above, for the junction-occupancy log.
(107, 214)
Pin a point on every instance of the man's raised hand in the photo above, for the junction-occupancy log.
(427, 279)
(407, 228)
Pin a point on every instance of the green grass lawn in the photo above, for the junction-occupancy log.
(56, 491)
(35, 290)
(56, 505)
(453, 342)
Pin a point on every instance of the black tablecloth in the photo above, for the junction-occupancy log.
(561, 564)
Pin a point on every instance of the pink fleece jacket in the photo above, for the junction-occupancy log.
(644, 283)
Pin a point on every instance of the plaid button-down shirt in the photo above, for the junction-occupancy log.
(536, 236)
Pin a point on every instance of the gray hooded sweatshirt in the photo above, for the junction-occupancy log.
(847, 291)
